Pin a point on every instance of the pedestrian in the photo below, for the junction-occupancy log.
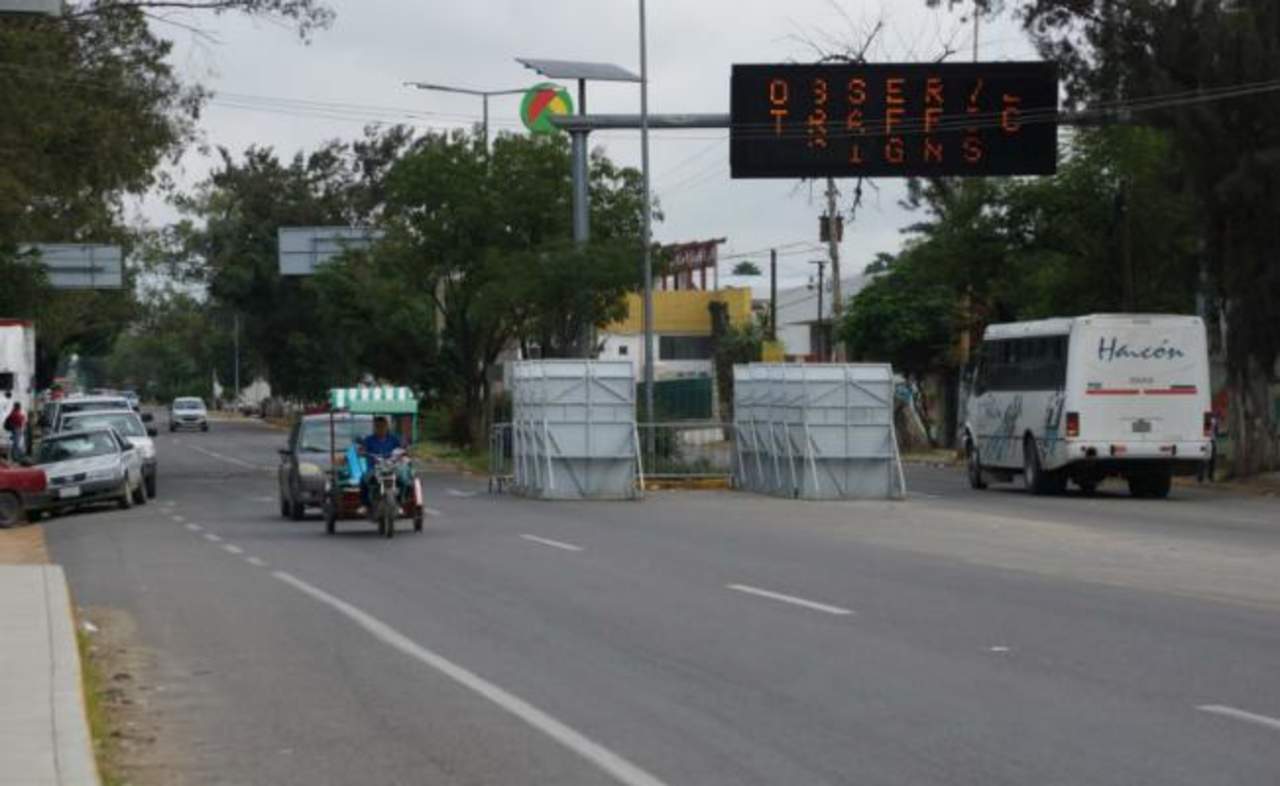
(16, 425)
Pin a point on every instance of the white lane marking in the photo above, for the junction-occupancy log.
(179, 519)
(193, 527)
(212, 538)
(254, 561)
(1248, 717)
(432, 511)
(229, 459)
(622, 770)
(230, 549)
(460, 494)
(264, 499)
(558, 544)
(922, 495)
(792, 599)
(999, 648)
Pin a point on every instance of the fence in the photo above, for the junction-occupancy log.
(687, 449)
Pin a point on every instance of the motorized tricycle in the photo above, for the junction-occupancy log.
(381, 489)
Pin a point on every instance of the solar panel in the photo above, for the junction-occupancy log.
(573, 69)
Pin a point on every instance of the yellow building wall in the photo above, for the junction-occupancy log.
(685, 312)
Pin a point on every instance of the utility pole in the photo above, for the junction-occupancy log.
(773, 294)
(822, 333)
(833, 248)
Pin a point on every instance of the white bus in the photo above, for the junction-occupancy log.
(1087, 398)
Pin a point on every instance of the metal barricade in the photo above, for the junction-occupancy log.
(687, 449)
(501, 457)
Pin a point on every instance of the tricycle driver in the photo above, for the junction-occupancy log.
(382, 444)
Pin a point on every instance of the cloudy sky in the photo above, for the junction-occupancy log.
(263, 76)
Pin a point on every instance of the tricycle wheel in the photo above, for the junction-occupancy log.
(417, 520)
(330, 517)
(388, 518)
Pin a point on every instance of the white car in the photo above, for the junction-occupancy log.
(84, 467)
(188, 412)
(129, 425)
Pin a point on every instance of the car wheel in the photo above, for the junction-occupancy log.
(1088, 487)
(140, 493)
(34, 516)
(297, 510)
(125, 497)
(10, 509)
(151, 482)
(330, 516)
(284, 506)
(977, 480)
(172, 428)
(204, 426)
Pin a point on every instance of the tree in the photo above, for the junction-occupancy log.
(746, 268)
(905, 317)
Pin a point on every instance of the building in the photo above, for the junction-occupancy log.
(798, 319)
(681, 327)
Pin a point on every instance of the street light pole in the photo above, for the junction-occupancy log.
(822, 333)
(483, 94)
(646, 224)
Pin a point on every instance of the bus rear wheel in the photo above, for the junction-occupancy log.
(1151, 485)
(977, 480)
(1038, 480)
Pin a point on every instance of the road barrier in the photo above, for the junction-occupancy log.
(573, 430)
(817, 431)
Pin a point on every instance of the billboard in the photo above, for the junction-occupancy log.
(894, 120)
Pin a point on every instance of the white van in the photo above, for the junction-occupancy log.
(1087, 398)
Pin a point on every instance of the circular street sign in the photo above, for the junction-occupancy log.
(543, 102)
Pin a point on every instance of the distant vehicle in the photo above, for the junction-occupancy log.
(1089, 398)
(19, 487)
(306, 461)
(188, 412)
(17, 372)
(84, 467)
(73, 404)
(129, 425)
(135, 401)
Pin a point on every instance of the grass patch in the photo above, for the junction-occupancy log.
(100, 730)
(473, 459)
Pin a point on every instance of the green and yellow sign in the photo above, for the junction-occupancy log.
(542, 103)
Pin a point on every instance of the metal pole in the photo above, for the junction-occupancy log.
(236, 321)
(977, 21)
(822, 334)
(773, 294)
(646, 224)
(486, 123)
(581, 194)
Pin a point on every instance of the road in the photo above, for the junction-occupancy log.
(703, 638)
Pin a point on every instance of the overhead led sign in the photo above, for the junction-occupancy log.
(894, 120)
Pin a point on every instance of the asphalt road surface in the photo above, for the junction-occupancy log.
(705, 638)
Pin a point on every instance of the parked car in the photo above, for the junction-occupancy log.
(129, 425)
(188, 412)
(306, 460)
(85, 404)
(84, 467)
(19, 486)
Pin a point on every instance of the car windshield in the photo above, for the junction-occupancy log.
(97, 443)
(315, 433)
(126, 423)
(188, 404)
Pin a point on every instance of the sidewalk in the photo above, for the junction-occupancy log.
(44, 734)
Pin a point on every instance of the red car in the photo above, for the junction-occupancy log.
(17, 485)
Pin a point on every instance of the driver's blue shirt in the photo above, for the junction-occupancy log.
(381, 447)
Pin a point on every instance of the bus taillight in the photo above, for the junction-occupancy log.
(1073, 424)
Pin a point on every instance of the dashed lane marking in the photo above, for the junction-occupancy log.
(193, 527)
(212, 538)
(232, 549)
(556, 544)
(792, 599)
